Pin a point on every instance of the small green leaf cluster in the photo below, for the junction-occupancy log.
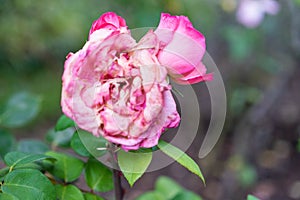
(51, 169)
(134, 164)
(38, 170)
(166, 189)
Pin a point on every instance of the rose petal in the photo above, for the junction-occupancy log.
(182, 45)
(196, 76)
(114, 123)
(168, 118)
(109, 21)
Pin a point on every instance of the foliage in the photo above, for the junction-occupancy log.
(133, 165)
(28, 184)
(180, 157)
(96, 173)
(33, 171)
(167, 189)
(55, 172)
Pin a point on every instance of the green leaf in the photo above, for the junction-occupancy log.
(16, 158)
(4, 171)
(86, 140)
(251, 197)
(7, 141)
(151, 196)
(180, 157)
(133, 165)
(20, 109)
(69, 192)
(63, 123)
(89, 196)
(28, 184)
(187, 195)
(98, 177)
(4, 196)
(32, 146)
(168, 187)
(66, 167)
(60, 138)
(28, 166)
(78, 146)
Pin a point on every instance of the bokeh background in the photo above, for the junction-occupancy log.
(258, 151)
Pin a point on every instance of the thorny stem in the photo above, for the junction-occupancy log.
(119, 193)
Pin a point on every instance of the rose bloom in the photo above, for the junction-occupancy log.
(118, 88)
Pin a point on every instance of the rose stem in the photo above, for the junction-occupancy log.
(117, 183)
(116, 175)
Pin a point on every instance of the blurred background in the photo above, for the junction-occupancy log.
(255, 44)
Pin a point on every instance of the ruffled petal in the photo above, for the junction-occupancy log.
(110, 21)
(196, 76)
(168, 118)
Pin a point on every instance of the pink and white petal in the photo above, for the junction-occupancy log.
(148, 41)
(97, 56)
(182, 46)
(125, 142)
(196, 76)
(166, 28)
(101, 34)
(174, 62)
(195, 79)
(169, 113)
(66, 105)
(148, 76)
(87, 94)
(142, 58)
(151, 74)
(182, 54)
(114, 123)
(168, 21)
(186, 28)
(138, 127)
(84, 116)
(109, 20)
(168, 118)
(154, 104)
(68, 84)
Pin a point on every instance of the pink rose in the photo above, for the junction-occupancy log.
(118, 88)
(181, 49)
